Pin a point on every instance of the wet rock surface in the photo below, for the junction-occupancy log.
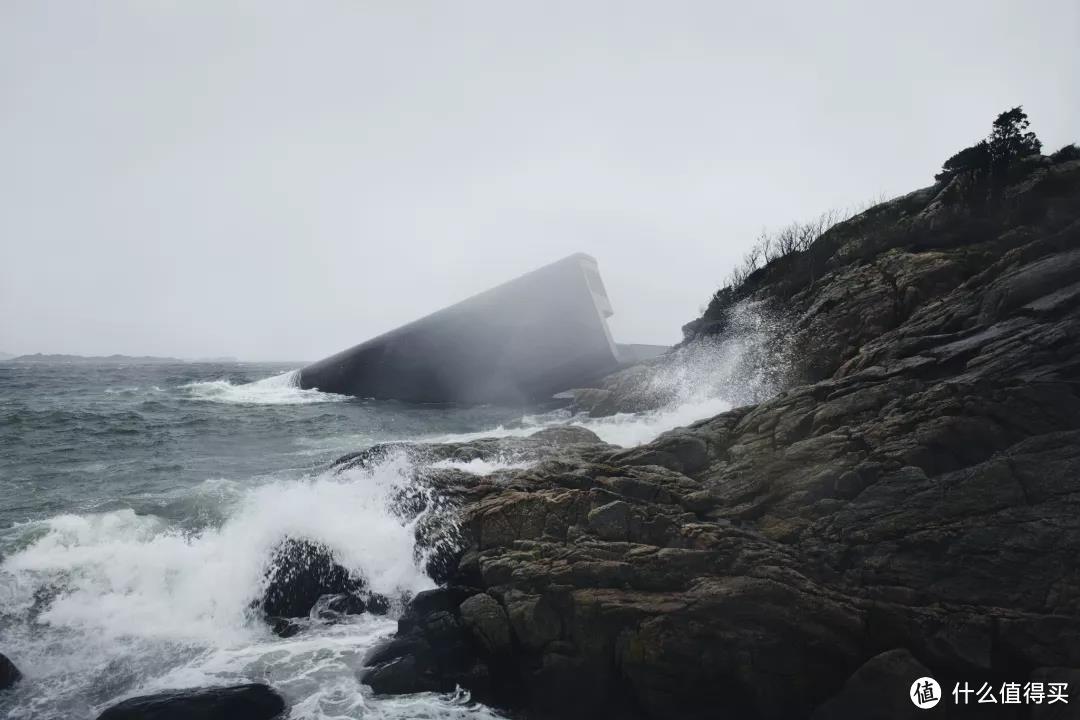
(303, 576)
(448, 637)
(911, 501)
(239, 702)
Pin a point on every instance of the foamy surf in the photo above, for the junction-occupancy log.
(283, 389)
(95, 598)
(632, 429)
(477, 466)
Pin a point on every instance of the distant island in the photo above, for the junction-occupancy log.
(54, 358)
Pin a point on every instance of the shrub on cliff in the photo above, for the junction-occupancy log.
(1009, 140)
(970, 159)
(771, 245)
(1067, 153)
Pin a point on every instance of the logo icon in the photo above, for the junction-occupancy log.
(925, 693)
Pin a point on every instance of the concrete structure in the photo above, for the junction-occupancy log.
(524, 340)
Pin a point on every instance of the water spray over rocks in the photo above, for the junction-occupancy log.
(911, 506)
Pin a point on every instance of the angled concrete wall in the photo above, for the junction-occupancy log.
(526, 339)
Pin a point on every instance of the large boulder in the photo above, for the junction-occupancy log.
(431, 651)
(9, 674)
(303, 572)
(447, 637)
(878, 690)
(486, 620)
(239, 702)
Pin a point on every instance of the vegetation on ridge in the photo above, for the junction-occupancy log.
(971, 180)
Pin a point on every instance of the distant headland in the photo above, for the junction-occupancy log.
(60, 358)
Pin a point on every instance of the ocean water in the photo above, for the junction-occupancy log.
(139, 506)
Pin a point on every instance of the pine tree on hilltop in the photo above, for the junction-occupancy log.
(1011, 138)
(981, 172)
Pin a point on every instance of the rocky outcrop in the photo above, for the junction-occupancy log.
(916, 487)
(302, 576)
(448, 637)
(878, 690)
(238, 702)
(9, 674)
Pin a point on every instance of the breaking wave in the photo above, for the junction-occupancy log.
(100, 601)
(478, 466)
(283, 389)
(631, 429)
(748, 363)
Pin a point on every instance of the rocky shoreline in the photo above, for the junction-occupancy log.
(909, 502)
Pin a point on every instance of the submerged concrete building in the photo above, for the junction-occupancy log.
(524, 340)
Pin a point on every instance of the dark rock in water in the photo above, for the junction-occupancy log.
(9, 674)
(597, 402)
(370, 457)
(442, 562)
(402, 675)
(917, 485)
(284, 627)
(878, 690)
(565, 435)
(300, 573)
(333, 607)
(446, 637)
(239, 702)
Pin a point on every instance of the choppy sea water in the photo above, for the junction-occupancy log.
(139, 505)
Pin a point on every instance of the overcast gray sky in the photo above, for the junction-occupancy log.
(281, 180)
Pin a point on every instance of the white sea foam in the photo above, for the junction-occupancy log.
(283, 389)
(477, 466)
(745, 365)
(135, 595)
(500, 431)
(122, 390)
(628, 429)
(624, 429)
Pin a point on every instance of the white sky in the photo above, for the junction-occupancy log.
(281, 180)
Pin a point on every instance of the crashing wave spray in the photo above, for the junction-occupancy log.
(748, 363)
(283, 389)
(113, 604)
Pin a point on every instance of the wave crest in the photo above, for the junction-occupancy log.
(283, 389)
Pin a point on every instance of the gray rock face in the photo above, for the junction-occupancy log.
(917, 486)
(9, 674)
(486, 619)
(878, 690)
(447, 637)
(239, 702)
